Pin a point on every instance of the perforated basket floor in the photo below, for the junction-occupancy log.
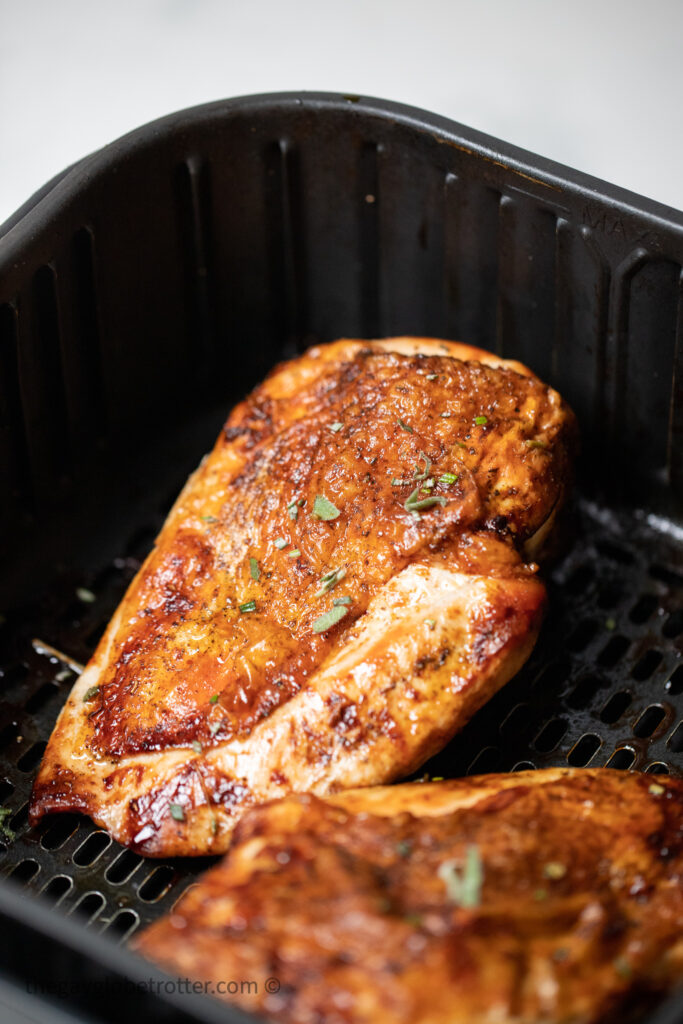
(604, 686)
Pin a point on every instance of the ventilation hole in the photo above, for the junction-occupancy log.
(24, 871)
(660, 572)
(584, 750)
(487, 760)
(675, 741)
(20, 819)
(610, 595)
(94, 637)
(584, 692)
(580, 579)
(646, 665)
(582, 635)
(675, 685)
(615, 552)
(41, 697)
(648, 721)
(183, 894)
(123, 867)
(8, 735)
(59, 831)
(89, 906)
(657, 768)
(516, 723)
(673, 625)
(6, 789)
(57, 888)
(553, 675)
(30, 760)
(622, 758)
(613, 651)
(91, 849)
(524, 766)
(615, 707)
(122, 924)
(643, 608)
(550, 735)
(156, 884)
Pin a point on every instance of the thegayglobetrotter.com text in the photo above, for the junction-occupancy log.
(63, 988)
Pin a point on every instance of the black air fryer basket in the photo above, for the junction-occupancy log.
(152, 284)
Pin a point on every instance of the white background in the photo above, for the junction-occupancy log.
(596, 84)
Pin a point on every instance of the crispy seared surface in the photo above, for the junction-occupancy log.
(344, 901)
(212, 708)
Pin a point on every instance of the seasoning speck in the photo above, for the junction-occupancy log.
(406, 427)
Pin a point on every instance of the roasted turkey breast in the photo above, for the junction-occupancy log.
(337, 589)
(554, 895)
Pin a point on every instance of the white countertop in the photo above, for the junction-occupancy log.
(595, 84)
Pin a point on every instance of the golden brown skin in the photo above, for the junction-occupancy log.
(202, 709)
(343, 901)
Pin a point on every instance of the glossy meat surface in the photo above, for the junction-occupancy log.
(215, 686)
(571, 908)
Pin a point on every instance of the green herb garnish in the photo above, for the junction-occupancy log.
(248, 606)
(214, 826)
(254, 570)
(336, 427)
(294, 553)
(196, 746)
(342, 600)
(329, 619)
(406, 427)
(293, 509)
(422, 474)
(209, 519)
(460, 444)
(448, 478)
(177, 812)
(535, 444)
(397, 482)
(431, 376)
(6, 832)
(214, 727)
(85, 595)
(91, 693)
(430, 623)
(622, 967)
(480, 420)
(463, 887)
(330, 580)
(656, 789)
(324, 509)
(280, 543)
(415, 504)
(554, 870)
(445, 415)
(214, 699)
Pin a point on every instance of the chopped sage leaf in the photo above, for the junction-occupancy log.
(460, 444)
(342, 600)
(324, 509)
(330, 580)
(336, 427)
(424, 473)
(554, 870)
(196, 746)
(329, 619)
(463, 886)
(214, 699)
(85, 595)
(431, 376)
(280, 543)
(91, 693)
(248, 606)
(416, 504)
(177, 813)
(445, 415)
(535, 444)
(397, 482)
(209, 519)
(448, 478)
(254, 570)
(293, 510)
(214, 826)
(406, 427)
(481, 420)
(294, 553)
(430, 623)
